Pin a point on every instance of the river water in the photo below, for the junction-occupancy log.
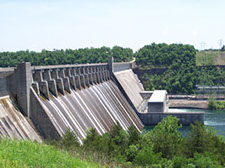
(213, 118)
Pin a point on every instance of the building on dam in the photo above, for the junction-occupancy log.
(44, 101)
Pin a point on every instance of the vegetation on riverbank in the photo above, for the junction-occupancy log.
(213, 104)
(164, 146)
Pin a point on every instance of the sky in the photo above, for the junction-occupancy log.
(60, 24)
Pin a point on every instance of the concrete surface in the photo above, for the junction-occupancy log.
(131, 85)
(184, 103)
(13, 124)
(186, 118)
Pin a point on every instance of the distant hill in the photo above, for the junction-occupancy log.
(210, 58)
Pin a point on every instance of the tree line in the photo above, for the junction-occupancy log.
(68, 56)
(182, 74)
(180, 60)
(163, 146)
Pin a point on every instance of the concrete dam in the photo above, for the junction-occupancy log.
(48, 100)
(45, 101)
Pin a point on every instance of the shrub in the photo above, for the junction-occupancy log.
(147, 156)
(132, 152)
(92, 140)
(165, 137)
(69, 141)
(212, 103)
(133, 135)
(205, 160)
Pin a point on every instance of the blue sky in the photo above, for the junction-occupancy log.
(55, 24)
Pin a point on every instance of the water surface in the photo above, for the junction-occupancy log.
(213, 118)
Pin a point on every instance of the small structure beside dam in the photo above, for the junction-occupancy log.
(156, 107)
(45, 101)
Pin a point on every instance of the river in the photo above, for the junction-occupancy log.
(213, 118)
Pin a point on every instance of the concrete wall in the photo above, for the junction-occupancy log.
(116, 81)
(3, 86)
(146, 94)
(132, 86)
(185, 118)
(122, 66)
(18, 85)
(40, 118)
(155, 107)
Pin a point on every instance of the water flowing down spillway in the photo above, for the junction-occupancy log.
(13, 124)
(100, 106)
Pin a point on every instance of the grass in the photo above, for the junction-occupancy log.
(210, 58)
(22, 154)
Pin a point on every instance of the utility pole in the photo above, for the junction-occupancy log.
(220, 42)
(202, 45)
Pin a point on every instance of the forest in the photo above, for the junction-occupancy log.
(162, 147)
(181, 77)
(68, 56)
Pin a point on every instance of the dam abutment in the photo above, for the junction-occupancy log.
(18, 85)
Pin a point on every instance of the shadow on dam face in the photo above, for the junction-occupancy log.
(99, 106)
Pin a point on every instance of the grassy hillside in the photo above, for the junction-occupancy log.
(14, 153)
(210, 58)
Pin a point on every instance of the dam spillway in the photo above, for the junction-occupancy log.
(100, 106)
(13, 124)
(69, 97)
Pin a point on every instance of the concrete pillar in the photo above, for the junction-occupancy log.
(43, 84)
(86, 77)
(68, 73)
(82, 80)
(36, 88)
(111, 64)
(94, 75)
(77, 78)
(89, 69)
(51, 82)
(59, 81)
(107, 76)
(23, 80)
(103, 73)
(65, 79)
(99, 74)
